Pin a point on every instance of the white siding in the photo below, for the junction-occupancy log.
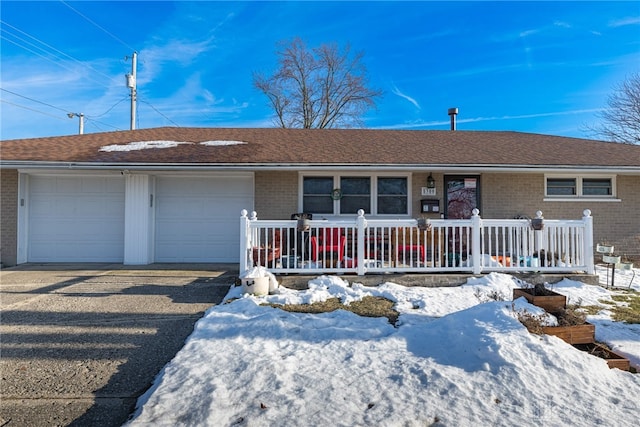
(138, 220)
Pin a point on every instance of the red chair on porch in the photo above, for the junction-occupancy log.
(268, 255)
(328, 246)
(408, 247)
(413, 246)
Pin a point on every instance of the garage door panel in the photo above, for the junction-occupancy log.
(197, 219)
(76, 219)
(68, 185)
(182, 207)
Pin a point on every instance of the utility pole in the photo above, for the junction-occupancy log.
(81, 117)
(131, 84)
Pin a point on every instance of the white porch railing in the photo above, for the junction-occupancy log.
(362, 245)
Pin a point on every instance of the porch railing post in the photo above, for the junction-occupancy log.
(476, 256)
(361, 225)
(244, 240)
(540, 242)
(588, 241)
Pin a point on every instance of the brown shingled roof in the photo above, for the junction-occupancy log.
(326, 146)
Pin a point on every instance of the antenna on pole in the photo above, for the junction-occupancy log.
(131, 84)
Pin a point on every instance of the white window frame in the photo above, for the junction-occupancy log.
(373, 193)
(579, 196)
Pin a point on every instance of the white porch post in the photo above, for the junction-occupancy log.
(540, 241)
(244, 241)
(476, 256)
(361, 225)
(588, 241)
(138, 207)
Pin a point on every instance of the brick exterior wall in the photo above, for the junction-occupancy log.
(509, 195)
(9, 215)
(419, 180)
(276, 194)
(616, 223)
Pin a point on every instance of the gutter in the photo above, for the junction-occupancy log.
(462, 168)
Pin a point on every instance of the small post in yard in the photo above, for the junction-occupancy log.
(613, 275)
(610, 259)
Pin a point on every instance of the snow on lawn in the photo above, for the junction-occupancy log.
(457, 357)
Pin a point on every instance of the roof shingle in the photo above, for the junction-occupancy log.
(326, 147)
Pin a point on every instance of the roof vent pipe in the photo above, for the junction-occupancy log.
(453, 112)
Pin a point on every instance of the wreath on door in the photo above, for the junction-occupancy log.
(336, 194)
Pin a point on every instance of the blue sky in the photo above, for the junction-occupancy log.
(542, 67)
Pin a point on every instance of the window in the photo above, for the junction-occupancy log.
(356, 194)
(561, 186)
(580, 187)
(317, 195)
(596, 187)
(377, 195)
(392, 196)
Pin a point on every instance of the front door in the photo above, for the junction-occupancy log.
(462, 196)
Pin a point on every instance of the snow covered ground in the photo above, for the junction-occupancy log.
(456, 358)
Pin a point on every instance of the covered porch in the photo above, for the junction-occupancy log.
(363, 245)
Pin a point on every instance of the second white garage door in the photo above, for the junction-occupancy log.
(198, 219)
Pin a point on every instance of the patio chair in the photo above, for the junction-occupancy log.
(266, 256)
(328, 246)
(412, 246)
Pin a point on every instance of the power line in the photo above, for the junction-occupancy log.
(44, 57)
(93, 122)
(112, 107)
(30, 109)
(19, 38)
(157, 111)
(89, 118)
(35, 100)
(46, 54)
(50, 47)
(98, 26)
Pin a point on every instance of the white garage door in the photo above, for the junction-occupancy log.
(198, 219)
(76, 219)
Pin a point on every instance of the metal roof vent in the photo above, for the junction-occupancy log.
(453, 112)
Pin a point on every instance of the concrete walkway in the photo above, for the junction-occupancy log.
(80, 343)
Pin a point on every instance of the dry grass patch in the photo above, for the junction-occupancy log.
(627, 308)
(368, 307)
(624, 306)
(591, 310)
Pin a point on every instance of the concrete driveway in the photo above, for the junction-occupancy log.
(80, 343)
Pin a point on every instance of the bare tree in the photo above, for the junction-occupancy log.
(621, 118)
(319, 88)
